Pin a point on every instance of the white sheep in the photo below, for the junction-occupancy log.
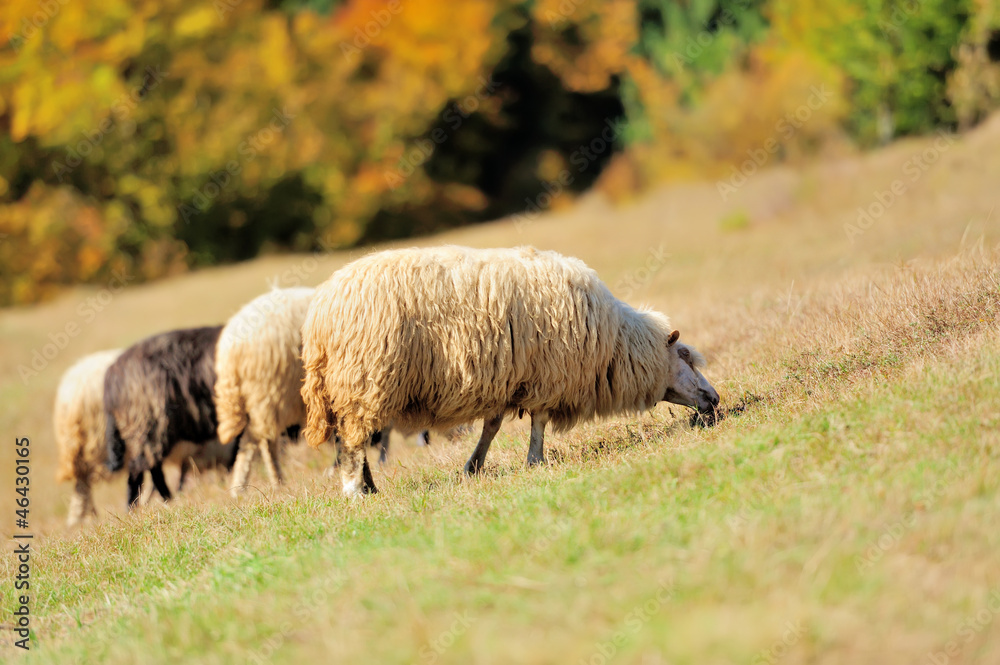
(438, 337)
(258, 368)
(79, 422)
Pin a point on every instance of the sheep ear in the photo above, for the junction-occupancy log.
(673, 337)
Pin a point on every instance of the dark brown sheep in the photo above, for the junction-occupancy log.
(158, 393)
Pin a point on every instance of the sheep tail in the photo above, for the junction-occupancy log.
(116, 444)
(318, 417)
(229, 404)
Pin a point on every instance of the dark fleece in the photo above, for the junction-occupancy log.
(158, 392)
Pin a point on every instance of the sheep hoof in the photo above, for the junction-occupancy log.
(355, 489)
(472, 468)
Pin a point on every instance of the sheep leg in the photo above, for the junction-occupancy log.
(270, 451)
(338, 447)
(478, 458)
(159, 482)
(368, 479)
(186, 464)
(383, 445)
(355, 473)
(536, 448)
(82, 504)
(134, 489)
(241, 468)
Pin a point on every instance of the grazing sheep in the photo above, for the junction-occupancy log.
(158, 393)
(440, 337)
(79, 421)
(259, 378)
(78, 417)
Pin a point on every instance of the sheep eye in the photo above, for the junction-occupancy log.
(684, 353)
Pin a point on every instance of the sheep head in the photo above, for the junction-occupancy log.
(688, 387)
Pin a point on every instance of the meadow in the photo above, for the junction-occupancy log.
(843, 510)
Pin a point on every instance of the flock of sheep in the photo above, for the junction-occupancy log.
(413, 339)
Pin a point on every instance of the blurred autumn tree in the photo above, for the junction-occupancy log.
(148, 136)
(897, 56)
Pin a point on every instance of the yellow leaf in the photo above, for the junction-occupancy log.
(197, 22)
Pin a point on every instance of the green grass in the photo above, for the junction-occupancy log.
(859, 530)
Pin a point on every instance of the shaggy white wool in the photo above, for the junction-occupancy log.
(258, 368)
(79, 420)
(80, 426)
(439, 337)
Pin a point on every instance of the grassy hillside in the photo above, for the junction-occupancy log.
(845, 510)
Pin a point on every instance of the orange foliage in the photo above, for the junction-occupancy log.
(605, 29)
(157, 112)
